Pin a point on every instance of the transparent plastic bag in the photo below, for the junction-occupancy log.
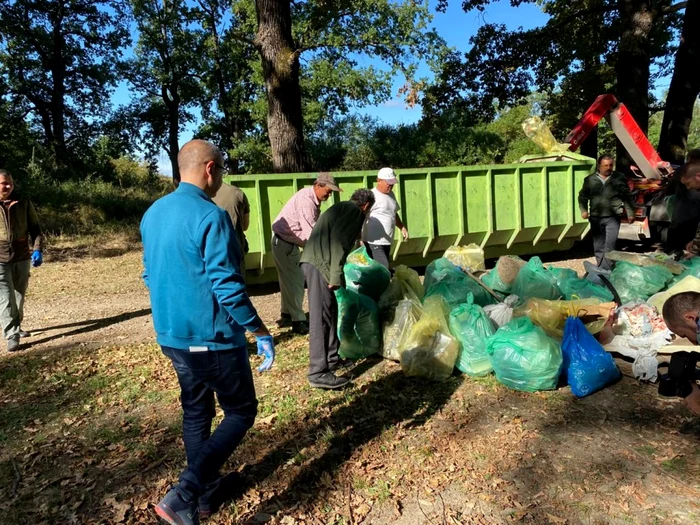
(584, 289)
(410, 277)
(471, 326)
(358, 325)
(365, 275)
(538, 132)
(468, 258)
(552, 315)
(587, 366)
(562, 274)
(534, 280)
(429, 350)
(398, 329)
(638, 283)
(438, 270)
(524, 357)
(502, 313)
(452, 284)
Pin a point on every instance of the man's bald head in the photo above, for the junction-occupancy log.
(201, 164)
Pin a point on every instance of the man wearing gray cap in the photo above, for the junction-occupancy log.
(291, 230)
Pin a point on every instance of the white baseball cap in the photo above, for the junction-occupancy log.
(388, 175)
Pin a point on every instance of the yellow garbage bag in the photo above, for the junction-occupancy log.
(468, 258)
(538, 132)
(552, 315)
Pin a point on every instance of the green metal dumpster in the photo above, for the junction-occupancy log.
(523, 208)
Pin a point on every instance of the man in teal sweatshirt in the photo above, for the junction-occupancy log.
(330, 243)
(201, 312)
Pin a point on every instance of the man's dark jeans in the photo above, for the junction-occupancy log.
(380, 253)
(605, 231)
(201, 375)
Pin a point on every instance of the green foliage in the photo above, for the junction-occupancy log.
(656, 120)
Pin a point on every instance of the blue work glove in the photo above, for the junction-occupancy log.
(37, 258)
(266, 347)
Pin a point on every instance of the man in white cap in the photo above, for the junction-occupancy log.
(291, 230)
(383, 218)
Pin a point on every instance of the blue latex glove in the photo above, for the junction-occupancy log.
(266, 347)
(37, 259)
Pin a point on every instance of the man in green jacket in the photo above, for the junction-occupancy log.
(330, 243)
(602, 198)
(21, 246)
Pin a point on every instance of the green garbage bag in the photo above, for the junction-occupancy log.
(584, 289)
(534, 280)
(471, 326)
(692, 268)
(562, 274)
(453, 285)
(365, 275)
(493, 281)
(359, 331)
(501, 278)
(524, 357)
(438, 270)
(638, 283)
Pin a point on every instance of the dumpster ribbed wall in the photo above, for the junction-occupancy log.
(511, 208)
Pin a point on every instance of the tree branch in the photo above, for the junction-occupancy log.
(674, 8)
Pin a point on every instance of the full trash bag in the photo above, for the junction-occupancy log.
(399, 327)
(430, 351)
(524, 357)
(584, 289)
(552, 315)
(534, 280)
(438, 270)
(562, 274)
(358, 325)
(468, 258)
(410, 277)
(638, 283)
(692, 267)
(404, 285)
(501, 278)
(453, 285)
(471, 326)
(365, 275)
(587, 366)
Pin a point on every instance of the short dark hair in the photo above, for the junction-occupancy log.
(690, 170)
(603, 157)
(362, 197)
(5, 173)
(678, 305)
(693, 155)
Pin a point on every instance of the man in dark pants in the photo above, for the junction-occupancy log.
(601, 200)
(200, 313)
(331, 240)
(686, 208)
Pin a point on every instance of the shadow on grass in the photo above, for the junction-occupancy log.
(89, 325)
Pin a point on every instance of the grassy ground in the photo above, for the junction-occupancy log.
(90, 431)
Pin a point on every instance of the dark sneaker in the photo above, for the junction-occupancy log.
(22, 333)
(13, 344)
(329, 381)
(284, 321)
(176, 511)
(222, 490)
(300, 327)
(342, 364)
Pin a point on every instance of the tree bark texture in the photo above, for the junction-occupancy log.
(280, 65)
(172, 102)
(58, 94)
(684, 89)
(637, 18)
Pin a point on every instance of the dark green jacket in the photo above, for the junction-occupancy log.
(332, 240)
(606, 200)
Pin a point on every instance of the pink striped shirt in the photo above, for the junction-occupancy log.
(298, 217)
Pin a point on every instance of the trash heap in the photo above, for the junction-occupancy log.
(535, 327)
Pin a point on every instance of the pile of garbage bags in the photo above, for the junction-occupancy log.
(534, 327)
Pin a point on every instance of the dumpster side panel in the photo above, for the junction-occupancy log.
(516, 208)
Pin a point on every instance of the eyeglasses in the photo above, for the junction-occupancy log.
(224, 169)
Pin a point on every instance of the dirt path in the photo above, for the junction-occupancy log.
(89, 422)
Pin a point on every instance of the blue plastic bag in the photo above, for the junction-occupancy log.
(587, 366)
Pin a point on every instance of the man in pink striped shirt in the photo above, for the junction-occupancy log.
(291, 230)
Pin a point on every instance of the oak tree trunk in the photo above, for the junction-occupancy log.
(171, 98)
(280, 63)
(684, 89)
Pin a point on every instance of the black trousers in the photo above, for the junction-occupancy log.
(605, 231)
(380, 253)
(323, 322)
